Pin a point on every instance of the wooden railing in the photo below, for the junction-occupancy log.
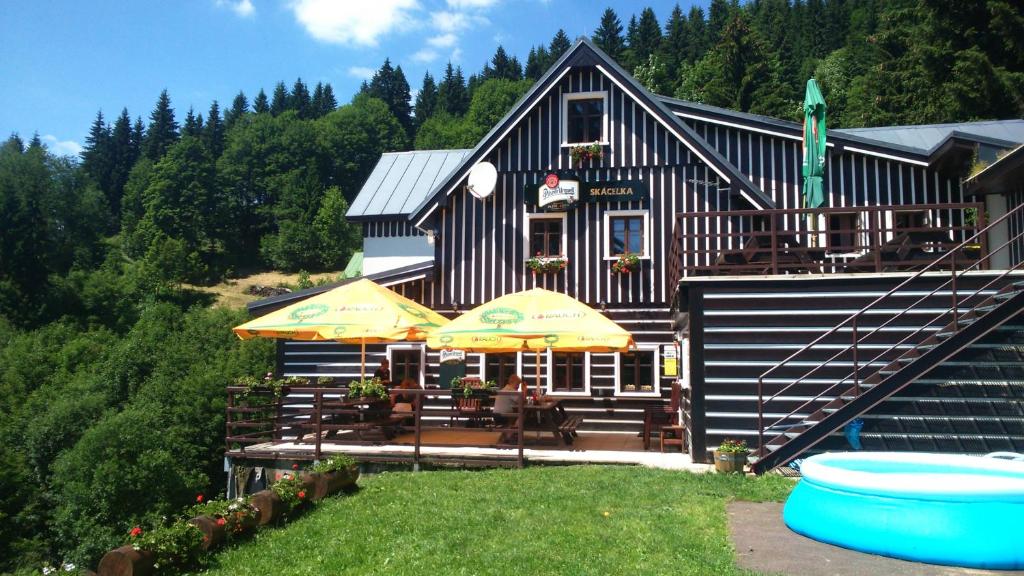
(826, 240)
(308, 415)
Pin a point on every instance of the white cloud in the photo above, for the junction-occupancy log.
(457, 4)
(442, 40)
(62, 147)
(454, 21)
(353, 23)
(243, 8)
(361, 72)
(425, 55)
(456, 55)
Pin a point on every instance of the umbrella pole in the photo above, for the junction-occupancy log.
(536, 354)
(362, 367)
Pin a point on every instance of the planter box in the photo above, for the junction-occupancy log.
(329, 483)
(126, 561)
(270, 507)
(729, 462)
(214, 534)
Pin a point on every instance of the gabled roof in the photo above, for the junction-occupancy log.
(585, 53)
(400, 181)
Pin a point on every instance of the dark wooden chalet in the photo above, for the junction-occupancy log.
(734, 275)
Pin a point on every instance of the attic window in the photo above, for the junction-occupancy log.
(585, 118)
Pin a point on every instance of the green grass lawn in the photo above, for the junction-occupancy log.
(541, 520)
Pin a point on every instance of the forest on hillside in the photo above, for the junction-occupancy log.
(112, 369)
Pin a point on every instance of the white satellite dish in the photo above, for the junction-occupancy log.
(482, 179)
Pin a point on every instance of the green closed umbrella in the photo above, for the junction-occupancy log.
(814, 145)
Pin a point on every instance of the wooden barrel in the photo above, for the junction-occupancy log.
(214, 534)
(126, 561)
(270, 507)
(309, 481)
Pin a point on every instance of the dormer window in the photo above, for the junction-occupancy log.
(584, 118)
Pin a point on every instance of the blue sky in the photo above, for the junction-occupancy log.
(61, 61)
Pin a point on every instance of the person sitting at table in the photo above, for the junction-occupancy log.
(384, 372)
(506, 405)
(399, 397)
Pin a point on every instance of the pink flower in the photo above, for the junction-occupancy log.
(199, 498)
(295, 466)
(221, 521)
(136, 532)
(302, 494)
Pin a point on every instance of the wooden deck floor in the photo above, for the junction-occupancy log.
(463, 444)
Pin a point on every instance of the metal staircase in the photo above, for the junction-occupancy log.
(971, 314)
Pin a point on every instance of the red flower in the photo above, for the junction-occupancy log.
(136, 532)
(221, 521)
(199, 498)
(302, 494)
(295, 466)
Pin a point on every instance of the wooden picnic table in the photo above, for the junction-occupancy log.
(548, 415)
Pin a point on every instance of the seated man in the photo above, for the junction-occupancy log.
(506, 405)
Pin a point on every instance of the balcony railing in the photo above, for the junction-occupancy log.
(828, 240)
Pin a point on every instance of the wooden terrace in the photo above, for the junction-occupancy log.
(862, 239)
(438, 427)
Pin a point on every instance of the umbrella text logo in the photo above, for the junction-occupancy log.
(501, 316)
(308, 312)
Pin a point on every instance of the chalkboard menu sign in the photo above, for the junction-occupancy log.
(453, 364)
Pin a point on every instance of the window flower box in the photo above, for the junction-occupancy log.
(546, 264)
(625, 263)
(581, 153)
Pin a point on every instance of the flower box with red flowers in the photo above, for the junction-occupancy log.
(625, 263)
(585, 152)
(546, 264)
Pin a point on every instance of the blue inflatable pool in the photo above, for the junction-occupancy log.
(936, 508)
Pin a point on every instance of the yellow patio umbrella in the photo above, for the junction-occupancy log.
(535, 320)
(359, 312)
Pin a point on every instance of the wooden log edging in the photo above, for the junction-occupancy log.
(270, 509)
(126, 561)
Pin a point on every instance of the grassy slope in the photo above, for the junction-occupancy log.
(541, 520)
(231, 293)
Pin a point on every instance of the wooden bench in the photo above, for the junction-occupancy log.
(569, 425)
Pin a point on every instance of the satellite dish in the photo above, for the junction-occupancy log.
(482, 179)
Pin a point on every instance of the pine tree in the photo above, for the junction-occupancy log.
(676, 43)
(299, 100)
(163, 129)
(451, 92)
(608, 36)
(239, 107)
(329, 103)
(719, 12)
(644, 38)
(632, 33)
(193, 126)
(97, 157)
(502, 66)
(698, 42)
(138, 136)
(261, 105)
(316, 103)
(426, 101)
(124, 154)
(213, 132)
(535, 64)
(279, 102)
(389, 84)
(560, 44)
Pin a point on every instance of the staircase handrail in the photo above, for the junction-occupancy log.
(951, 254)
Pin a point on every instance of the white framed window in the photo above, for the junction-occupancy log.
(545, 233)
(627, 231)
(407, 361)
(637, 372)
(568, 373)
(584, 118)
(498, 366)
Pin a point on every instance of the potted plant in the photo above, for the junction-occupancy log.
(223, 520)
(332, 475)
(368, 389)
(731, 456)
(546, 264)
(584, 152)
(173, 548)
(625, 263)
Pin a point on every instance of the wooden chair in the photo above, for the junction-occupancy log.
(656, 417)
